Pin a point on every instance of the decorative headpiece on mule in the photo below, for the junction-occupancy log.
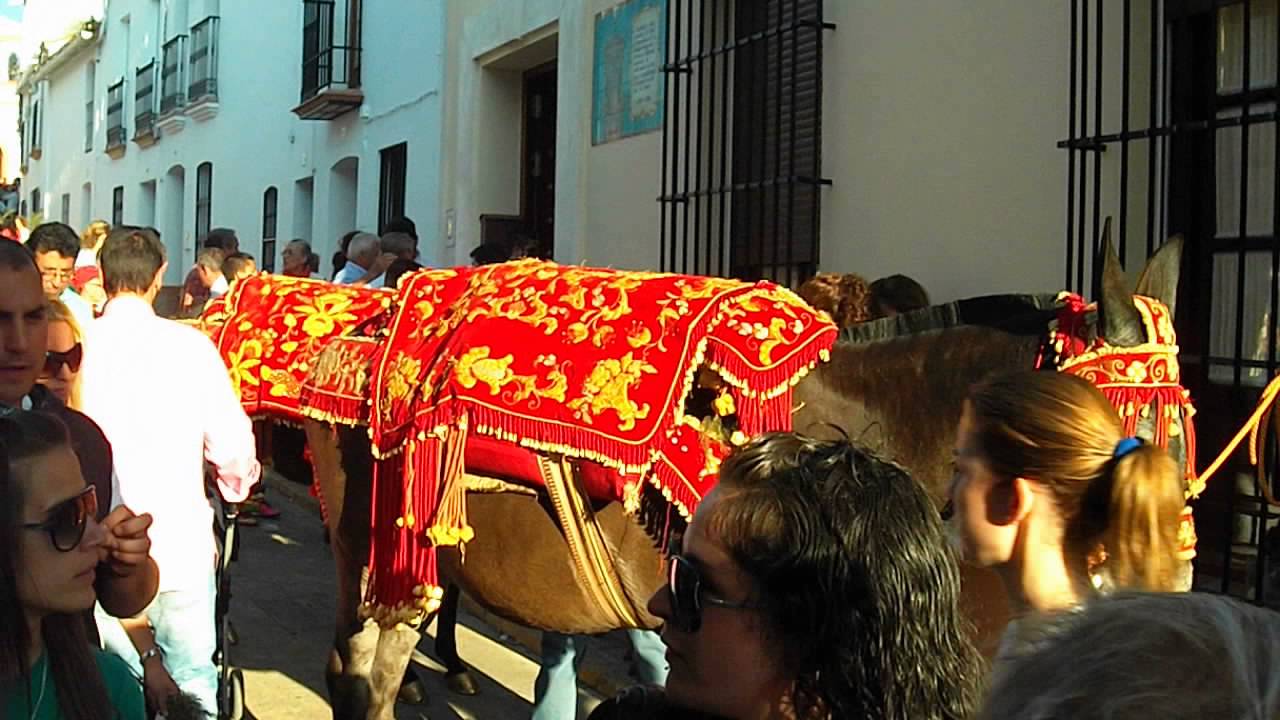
(1132, 357)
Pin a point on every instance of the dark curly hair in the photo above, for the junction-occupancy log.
(854, 577)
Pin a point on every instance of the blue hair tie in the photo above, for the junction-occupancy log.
(1126, 446)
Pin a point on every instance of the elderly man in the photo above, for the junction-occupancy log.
(166, 411)
(366, 262)
(296, 258)
(127, 578)
(55, 246)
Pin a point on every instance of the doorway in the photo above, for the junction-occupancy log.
(538, 175)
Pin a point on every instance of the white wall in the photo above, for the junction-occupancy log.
(940, 127)
(255, 141)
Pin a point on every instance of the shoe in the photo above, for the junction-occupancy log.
(257, 507)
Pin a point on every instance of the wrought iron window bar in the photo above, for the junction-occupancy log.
(144, 100)
(741, 143)
(173, 89)
(204, 59)
(116, 134)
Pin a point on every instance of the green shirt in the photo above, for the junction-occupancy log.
(123, 688)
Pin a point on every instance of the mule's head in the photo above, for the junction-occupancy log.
(1141, 373)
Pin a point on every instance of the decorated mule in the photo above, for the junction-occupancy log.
(535, 432)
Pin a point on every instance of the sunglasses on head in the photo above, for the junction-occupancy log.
(53, 361)
(688, 599)
(67, 520)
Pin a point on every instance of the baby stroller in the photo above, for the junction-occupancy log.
(230, 679)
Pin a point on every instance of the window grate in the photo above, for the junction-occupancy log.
(391, 185)
(144, 100)
(742, 138)
(204, 60)
(204, 201)
(115, 115)
(173, 91)
(331, 31)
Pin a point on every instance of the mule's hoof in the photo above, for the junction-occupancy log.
(462, 683)
(412, 693)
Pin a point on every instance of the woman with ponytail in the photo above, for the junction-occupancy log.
(48, 669)
(1050, 494)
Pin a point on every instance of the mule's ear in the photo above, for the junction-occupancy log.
(1117, 317)
(1159, 279)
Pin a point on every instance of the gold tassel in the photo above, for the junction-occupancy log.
(450, 526)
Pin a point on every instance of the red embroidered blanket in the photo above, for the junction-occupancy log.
(589, 363)
(270, 328)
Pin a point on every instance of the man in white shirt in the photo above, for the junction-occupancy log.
(366, 262)
(162, 396)
(55, 246)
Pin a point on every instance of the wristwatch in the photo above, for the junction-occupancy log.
(155, 651)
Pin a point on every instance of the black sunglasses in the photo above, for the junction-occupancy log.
(67, 520)
(684, 582)
(53, 361)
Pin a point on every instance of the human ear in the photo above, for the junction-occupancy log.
(1011, 501)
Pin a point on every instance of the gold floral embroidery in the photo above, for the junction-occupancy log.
(403, 377)
(323, 316)
(242, 363)
(283, 383)
(476, 367)
(606, 389)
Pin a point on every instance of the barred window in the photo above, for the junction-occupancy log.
(742, 138)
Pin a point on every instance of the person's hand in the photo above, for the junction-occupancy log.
(158, 685)
(382, 263)
(127, 546)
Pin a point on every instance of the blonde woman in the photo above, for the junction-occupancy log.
(61, 372)
(90, 241)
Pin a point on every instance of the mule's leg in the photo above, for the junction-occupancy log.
(395, 649)
(457, 675)
(349, 672)
(355, 644)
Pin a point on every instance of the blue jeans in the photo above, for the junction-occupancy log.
(555, 692)
(185, 631)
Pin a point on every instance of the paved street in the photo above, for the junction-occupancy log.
(283, 610)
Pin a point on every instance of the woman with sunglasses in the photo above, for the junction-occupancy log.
(61, 372)
(814, 582)
(48, 669)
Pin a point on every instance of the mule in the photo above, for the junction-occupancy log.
(896, 385)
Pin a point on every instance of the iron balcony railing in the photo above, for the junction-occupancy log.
(115, 115)
(204, 59)
(144, 100)
(330, 46)
(172, 88)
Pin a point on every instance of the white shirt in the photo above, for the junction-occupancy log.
(162, 396)
(219, 287)
(352, 272)
(80, 308)
(86, 258)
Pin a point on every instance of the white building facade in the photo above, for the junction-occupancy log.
(285, 119)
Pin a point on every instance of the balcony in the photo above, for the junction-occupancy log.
(116, 134)
(173, 87)
(330, 59)
(144, 106)
(202, 91)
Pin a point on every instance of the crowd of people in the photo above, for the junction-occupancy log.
(815, 581)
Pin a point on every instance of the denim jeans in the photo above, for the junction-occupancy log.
(185, 631)
(555, 692)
